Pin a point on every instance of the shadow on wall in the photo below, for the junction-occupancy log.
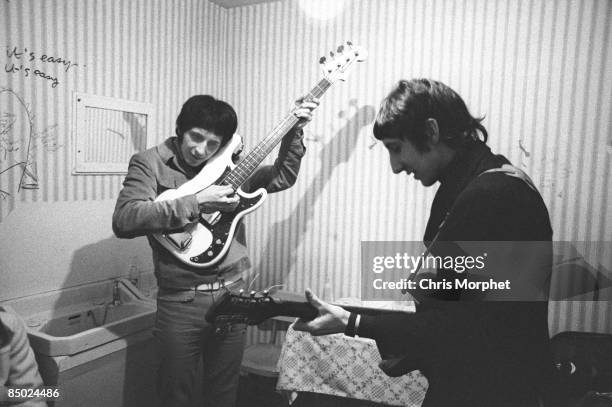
(336, 151)
(576, 279)
(138, 130)
(110, 258)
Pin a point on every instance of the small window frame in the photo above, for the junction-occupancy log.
(84, 101)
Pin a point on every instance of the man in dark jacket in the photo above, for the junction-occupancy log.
(473, 351)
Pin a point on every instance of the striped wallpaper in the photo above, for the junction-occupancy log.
(540, 71)
(152, 51)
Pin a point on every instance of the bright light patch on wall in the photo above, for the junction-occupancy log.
(322, 9)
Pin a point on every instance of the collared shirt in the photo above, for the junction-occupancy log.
(160, 168)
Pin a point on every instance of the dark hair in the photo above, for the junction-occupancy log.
(5, 335)
(208, 113)
(404, 111)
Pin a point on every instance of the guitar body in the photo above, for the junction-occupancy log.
(205, 242)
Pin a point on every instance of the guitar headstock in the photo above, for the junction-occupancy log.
(338, 63)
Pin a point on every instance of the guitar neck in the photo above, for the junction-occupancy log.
(257, 309)
(300, 308)
(247, 166)
(306, 311)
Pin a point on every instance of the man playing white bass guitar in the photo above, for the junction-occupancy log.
(205, 129)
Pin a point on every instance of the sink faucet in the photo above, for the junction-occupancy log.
(116, 296)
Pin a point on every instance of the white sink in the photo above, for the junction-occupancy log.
(70, 321)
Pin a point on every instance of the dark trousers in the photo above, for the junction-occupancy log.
(184, 336)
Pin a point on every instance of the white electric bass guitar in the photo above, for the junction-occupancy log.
(205, 242)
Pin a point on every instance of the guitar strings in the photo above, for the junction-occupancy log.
(252, 281)
(237, 176)
(272, 286)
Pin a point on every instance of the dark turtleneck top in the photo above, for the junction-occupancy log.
(490, 207)
(475, 353)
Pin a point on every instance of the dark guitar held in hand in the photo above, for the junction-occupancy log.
(254, 308)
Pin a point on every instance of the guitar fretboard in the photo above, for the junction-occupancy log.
(247, 166)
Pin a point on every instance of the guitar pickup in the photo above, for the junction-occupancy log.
(180, 240)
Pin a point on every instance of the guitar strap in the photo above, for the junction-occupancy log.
(507, 169)
(512, 171)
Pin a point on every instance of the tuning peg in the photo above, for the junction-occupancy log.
(252, 294)
(322, 60)
(331, 54)
(241, 292)
(341, 48)
(266, 293)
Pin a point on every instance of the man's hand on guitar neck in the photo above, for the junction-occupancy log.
(217, 198)
(304, 109)
(331, 320)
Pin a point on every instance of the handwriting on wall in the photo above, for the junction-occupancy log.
(20, 141)
(22, 61)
